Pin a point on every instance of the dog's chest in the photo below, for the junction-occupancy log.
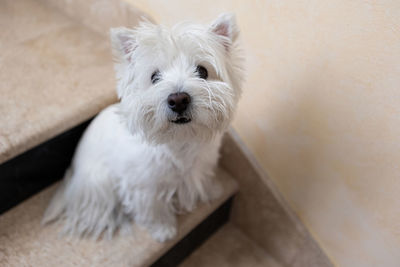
(142, 163)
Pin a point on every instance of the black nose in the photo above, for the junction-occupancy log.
(178, 102)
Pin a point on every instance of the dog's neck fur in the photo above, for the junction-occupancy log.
(185, 155)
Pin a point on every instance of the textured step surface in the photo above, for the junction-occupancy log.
(49, 74)
(229, 247)
(55, 72)
(24, 242)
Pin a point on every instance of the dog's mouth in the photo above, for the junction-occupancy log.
(181, 120)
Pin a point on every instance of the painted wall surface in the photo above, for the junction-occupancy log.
(321, 112)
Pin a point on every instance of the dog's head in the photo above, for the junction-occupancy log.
(181, 83)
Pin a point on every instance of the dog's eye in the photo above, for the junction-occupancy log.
(155, 77)
(203, 73)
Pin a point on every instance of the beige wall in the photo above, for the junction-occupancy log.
(321, 112)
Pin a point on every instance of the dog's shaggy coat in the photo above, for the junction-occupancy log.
(136, 161)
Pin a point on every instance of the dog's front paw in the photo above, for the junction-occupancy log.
(163, 233)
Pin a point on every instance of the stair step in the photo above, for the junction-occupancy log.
(56, 66)
(24, 242)
(229, 247)
(55, 73)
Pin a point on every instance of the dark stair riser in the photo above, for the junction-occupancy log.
(37, 168)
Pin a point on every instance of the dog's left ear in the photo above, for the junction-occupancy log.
(225, 26)
(123, 43)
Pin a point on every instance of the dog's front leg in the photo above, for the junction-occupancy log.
(161, 221)
(155, 214)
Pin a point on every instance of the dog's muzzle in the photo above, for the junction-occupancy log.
(181, 120)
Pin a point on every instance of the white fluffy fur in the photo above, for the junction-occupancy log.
(133, 163)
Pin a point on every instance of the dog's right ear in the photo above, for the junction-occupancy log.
(123, 43)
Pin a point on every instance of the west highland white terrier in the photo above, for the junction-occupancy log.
(152, 155)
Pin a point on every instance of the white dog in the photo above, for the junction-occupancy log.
(153, 154)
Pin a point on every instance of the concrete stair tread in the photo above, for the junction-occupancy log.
(229, 247)
(24, 242)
